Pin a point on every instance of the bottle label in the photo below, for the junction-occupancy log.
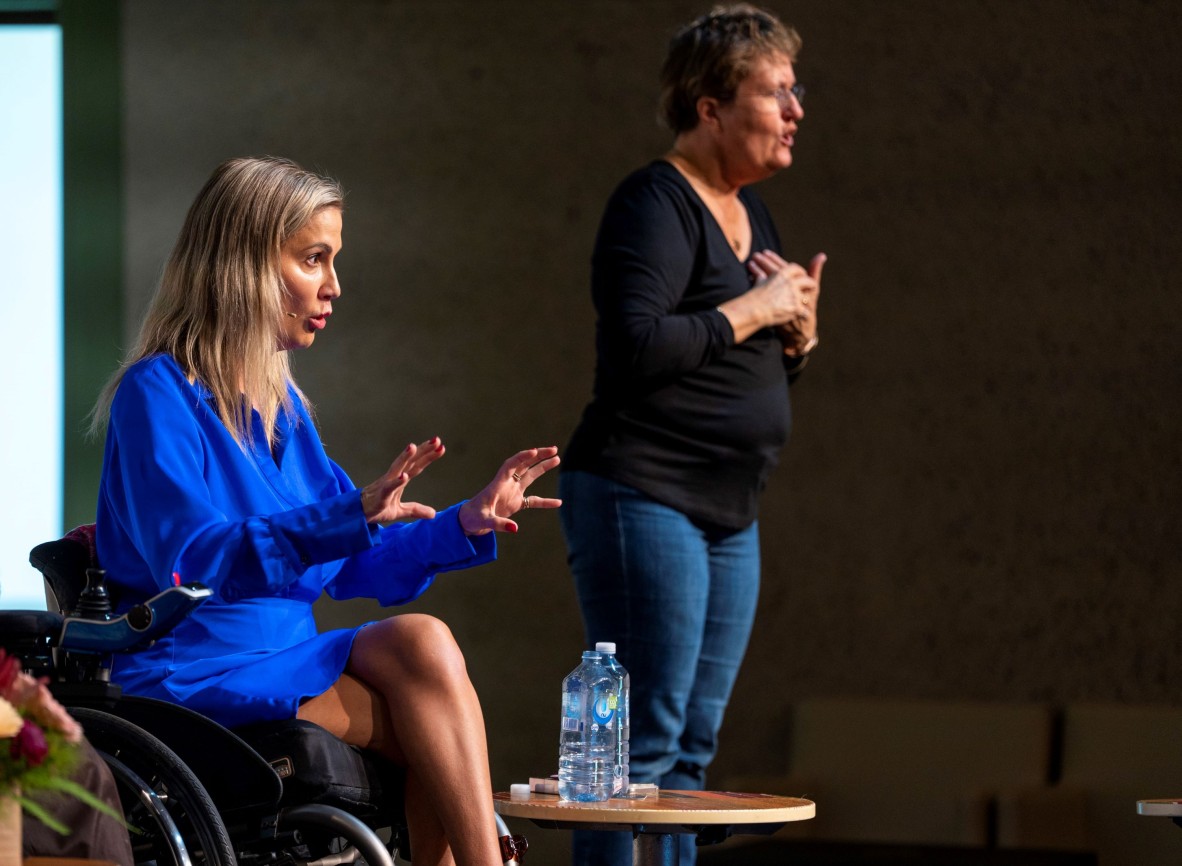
(571, 705)
(604, 709)
(569, 724)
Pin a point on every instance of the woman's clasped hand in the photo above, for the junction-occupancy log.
(791, 294)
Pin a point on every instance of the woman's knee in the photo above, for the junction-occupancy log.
(418, 646)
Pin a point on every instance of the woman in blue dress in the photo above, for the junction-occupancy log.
(214, 473)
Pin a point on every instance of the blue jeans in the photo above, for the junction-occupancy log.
(678, 598)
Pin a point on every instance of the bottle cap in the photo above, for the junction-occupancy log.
(605, 646)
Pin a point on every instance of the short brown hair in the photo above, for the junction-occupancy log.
(711, 55)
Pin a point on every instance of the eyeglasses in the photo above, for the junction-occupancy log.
(784, 97)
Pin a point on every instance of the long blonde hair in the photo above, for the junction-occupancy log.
(220, 300)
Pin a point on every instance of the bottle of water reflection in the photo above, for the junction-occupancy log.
(587, 745)
(607, 649)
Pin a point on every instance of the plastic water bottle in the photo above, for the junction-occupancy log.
(587, 744)
(607, 649)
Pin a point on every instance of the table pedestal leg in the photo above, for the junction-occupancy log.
(655, 849)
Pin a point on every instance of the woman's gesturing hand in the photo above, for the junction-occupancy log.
(490, 509)
(784, 295)
(382, 500)
(799, 333)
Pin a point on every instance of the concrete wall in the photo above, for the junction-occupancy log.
(981, 497)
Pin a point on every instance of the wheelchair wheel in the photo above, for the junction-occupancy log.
(170, 814)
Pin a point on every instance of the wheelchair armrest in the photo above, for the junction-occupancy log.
(142, 624)
(29, 635)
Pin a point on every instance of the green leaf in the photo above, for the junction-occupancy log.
(38, 811)
(69, 786)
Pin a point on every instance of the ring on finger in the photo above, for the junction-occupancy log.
(516, 477)
(525, 501)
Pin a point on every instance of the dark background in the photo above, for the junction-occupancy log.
(980, 500)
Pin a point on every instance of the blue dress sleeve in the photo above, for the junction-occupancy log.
(180, 497)
(403, 565)
(180, 506)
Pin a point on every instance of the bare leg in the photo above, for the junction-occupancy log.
(406, 694)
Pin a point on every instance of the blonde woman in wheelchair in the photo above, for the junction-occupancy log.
(214, 473)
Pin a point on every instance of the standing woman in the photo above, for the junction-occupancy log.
(702, 325)
(213, 472)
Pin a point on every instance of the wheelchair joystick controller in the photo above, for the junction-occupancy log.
(94, 602)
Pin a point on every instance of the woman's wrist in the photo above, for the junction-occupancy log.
(469, 518)
(809, 346)
(801, 356)
(744, 317)
(373, 504)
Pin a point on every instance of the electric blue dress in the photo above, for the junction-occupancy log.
(180, 501)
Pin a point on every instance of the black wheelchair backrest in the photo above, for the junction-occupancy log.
(63, 563)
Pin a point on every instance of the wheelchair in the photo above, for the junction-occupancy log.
(195, 793)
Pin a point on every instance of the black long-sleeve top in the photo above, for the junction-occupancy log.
(680, 411)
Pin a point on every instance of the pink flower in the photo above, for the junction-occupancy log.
(34, 698)
(21, 690)
(45, 709)
(37, 736)
(29, 744)
(10, 666)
